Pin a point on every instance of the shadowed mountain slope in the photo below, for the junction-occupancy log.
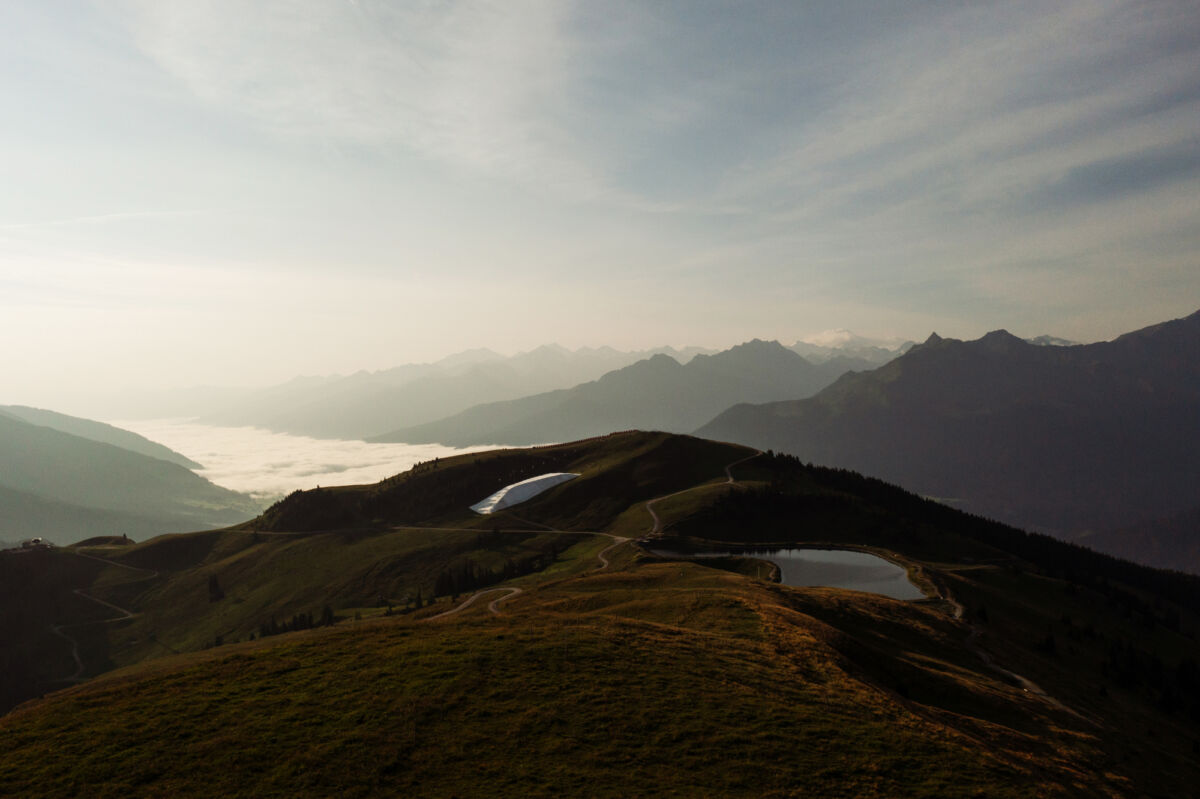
(26, 515)
(655, 394)
(60, 477)
(1172, 542)
(98, 431)
(1063, 439)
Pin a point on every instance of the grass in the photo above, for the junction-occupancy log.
(647, 678)
(261, 577)
(664, 679)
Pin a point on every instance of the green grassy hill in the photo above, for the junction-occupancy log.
(647, 677)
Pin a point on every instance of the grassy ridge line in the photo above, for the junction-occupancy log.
(615, 471)
(602, 555)
(656, 529)
(617, 540)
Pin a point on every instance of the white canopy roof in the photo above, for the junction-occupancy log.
(519, 492)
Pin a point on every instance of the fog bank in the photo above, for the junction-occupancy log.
(267, 465)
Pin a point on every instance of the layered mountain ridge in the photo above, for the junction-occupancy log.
(65, 487)
(1066, 439)
(658, 393)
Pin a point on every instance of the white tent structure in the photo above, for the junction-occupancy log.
(519, 492)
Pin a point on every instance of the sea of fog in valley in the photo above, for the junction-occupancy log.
(268, 465)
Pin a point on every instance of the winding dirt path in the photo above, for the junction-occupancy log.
(77, 675)
(493, 606)
(617, 541)
(58, 629)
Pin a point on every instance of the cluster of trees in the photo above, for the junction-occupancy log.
(410, 604)
(1134, 669)
(299, 621)
(467, 576)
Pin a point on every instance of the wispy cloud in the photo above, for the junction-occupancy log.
(705, 109)
(472, 84)
(692, 172)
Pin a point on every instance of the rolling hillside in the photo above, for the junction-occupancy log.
(1033, 668)
(656, 394)
(67, 488)
(1062, 439)
(98, 431)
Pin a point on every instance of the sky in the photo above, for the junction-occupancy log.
(232, 193)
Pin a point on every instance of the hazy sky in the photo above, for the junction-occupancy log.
(236, 192)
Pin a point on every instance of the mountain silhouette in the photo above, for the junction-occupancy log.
(658, 393)
(367, 403)
(1060, 439)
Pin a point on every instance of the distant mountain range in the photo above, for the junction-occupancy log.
(868, 352)
(658, 393)
(68, 487)
(1065, 439)
(1052, 341)
(368, 403)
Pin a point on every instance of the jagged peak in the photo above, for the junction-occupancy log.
(1002, 340)
(759, 344)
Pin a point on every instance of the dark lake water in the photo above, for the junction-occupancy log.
(834, 568)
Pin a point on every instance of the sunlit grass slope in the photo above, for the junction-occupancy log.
(663, 679)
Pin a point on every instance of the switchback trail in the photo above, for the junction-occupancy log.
(57, 629)
(617, 540)
(77, 675)
(493, 606)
